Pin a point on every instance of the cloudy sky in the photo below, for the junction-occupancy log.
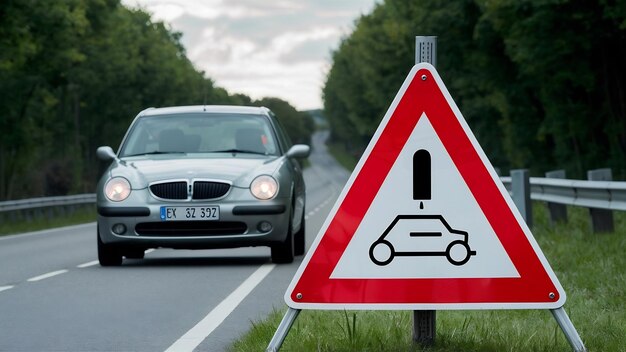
(279, 48)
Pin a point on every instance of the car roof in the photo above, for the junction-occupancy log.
(223, 109)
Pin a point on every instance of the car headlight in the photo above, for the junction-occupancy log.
(117, 189)
(264, 187)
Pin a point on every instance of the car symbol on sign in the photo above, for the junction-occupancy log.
(421, 236)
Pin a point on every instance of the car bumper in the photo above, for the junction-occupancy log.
(239, 225)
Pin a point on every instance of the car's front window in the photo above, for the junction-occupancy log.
(200, 133)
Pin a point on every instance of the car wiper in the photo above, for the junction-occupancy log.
(238, 151)
(153, 153)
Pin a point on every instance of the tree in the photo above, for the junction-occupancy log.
(541, 82)
(73, 75)
(299, 125)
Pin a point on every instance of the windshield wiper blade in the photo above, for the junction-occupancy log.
(154, 153)
(238, 151)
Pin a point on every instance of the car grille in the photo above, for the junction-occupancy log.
(170, 190)
(190, 228)
(201, 190)
(209, 190)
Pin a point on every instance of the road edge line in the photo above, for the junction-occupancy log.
(192, 338)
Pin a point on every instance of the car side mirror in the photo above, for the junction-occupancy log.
(299, 151)
(105, 153)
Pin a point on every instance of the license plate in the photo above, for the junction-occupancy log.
(190, 213)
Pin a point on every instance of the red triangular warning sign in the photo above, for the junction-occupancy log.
(424, 222)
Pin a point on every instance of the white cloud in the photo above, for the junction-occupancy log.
(286, 42)
(262, 48)
(166, 12)
(217, 48)
(240, 65)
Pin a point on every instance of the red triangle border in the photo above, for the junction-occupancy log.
(536, 287)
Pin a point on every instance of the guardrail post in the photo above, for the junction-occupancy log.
(558, 212)
(601, 219)
(520, 184)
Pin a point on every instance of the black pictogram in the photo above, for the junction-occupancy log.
(421, 175)
(448, 242)
(444, 240)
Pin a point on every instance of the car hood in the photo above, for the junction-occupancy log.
(239, 170)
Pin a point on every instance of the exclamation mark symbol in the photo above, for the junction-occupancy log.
(421, 176)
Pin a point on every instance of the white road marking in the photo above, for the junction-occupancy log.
(4, 288)
(48, 275)
(85, 265)
(318, 208)
(198, 333)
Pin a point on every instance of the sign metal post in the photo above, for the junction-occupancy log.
(425, 321)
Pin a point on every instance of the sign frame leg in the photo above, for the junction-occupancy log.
(569, 330)
(283, 330)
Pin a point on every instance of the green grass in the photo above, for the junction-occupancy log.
(343, 157)
(591, 268)
(80, 216)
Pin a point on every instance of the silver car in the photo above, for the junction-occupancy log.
(200, 177)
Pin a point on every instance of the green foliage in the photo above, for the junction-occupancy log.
(541, 82)
(73, 75)
(299, 124)
(343, 157)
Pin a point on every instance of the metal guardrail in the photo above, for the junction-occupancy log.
(44, 202)
(609, 195)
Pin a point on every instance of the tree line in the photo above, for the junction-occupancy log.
(73, 75)
(542, 83)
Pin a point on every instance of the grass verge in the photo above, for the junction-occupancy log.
(343, 156)
(79, 216)
(589, 266)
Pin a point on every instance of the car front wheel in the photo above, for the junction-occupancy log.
(134, 253)
(107, 254)
(300, 238)
(283, 253)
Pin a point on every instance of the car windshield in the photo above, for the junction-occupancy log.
(200, 133)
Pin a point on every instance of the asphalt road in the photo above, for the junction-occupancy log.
(55, 297)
